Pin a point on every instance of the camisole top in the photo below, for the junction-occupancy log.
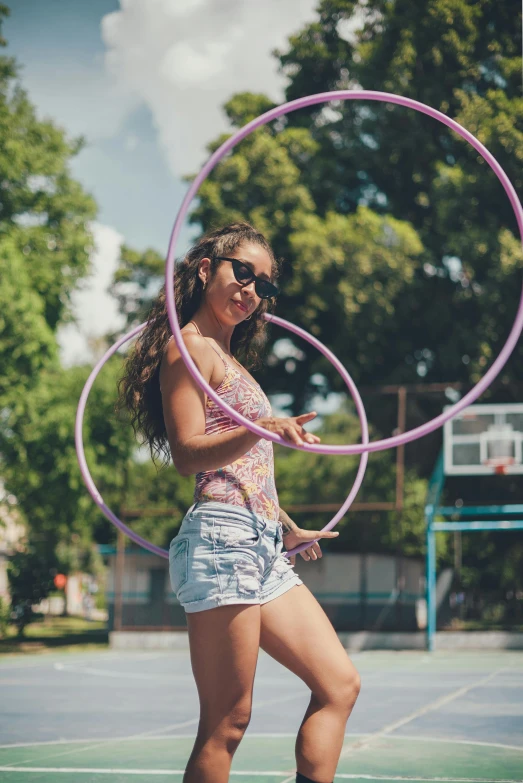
(249, 480)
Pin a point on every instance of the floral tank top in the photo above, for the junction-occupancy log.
(249, 481)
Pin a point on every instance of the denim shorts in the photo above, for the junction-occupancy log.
(224, 554)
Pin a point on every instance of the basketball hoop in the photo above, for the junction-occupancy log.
(485, 440)
(499, 465)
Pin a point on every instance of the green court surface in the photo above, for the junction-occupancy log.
(132, 716)
(264, 759)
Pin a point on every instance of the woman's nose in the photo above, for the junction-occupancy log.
(250, 287)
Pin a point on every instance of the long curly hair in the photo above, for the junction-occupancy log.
(139, 386)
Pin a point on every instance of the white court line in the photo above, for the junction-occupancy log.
(250, 773)
(476, 743)
(255, 735)
(266, 703)
(152, 732)
(79, 669)
(102, 742)
(362, 744)
(133, 739)
(435, 705)
(45, 659)
(66, 667)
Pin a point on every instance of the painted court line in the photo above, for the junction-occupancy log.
(133, 737)
(476, 743)
(266, 703)
(363, 744)
(435, 705)
(237, 773)
(152, 732)
(46, 660)
(252, 735)
(81, 669)
(67, 667)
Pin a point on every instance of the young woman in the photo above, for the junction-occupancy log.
(238, 591)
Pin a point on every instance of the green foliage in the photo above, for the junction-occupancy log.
(355, 269)
(45, 245)
(5, 617)
(39, 463)
(136, 275)
(465, 60)
(318, 478)
(401, 255)
(30, 576)
(152, 488)
(27, 342)
(43, 211)
(400, 244)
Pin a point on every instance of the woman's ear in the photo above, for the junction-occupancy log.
(204, 270)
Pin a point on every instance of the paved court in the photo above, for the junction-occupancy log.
(118, 716)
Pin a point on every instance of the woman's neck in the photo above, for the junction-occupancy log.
(221, 337)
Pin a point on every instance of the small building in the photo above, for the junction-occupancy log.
(372, 592)
(12, 532)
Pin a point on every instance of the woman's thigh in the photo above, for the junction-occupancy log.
(296, 632)
(224, 644)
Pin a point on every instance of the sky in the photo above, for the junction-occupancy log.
(144, 81)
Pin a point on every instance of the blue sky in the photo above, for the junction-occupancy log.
(58, 43)
(144, 82)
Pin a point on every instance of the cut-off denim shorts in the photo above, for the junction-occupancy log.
(224, 554)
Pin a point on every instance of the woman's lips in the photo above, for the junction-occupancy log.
(242, 307)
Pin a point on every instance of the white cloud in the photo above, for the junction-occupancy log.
(95, 310)
(185, 58)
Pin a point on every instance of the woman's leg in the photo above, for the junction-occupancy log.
(296, 632)
(224, 645)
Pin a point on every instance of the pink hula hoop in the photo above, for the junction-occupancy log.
(111, 516)
(228, 145)
(365, 447)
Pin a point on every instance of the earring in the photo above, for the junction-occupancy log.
(249, 318)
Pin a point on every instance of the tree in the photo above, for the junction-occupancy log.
(318, 478)
(463, 58)
(43, 211)
(451, 271)
(331, 285)
(45, 246)
(401, 247)
(30, 581)
(39, 462)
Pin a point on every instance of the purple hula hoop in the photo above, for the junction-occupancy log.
(365, 447)
(228, 145)
(93, 491)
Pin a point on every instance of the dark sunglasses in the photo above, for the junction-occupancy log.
(244, 276)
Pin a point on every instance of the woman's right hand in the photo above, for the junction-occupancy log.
(290, 428)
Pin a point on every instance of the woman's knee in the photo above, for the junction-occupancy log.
(342, 690)
(239, 718)
(229, 727)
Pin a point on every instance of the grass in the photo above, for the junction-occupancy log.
(457, 624)
(47, 633)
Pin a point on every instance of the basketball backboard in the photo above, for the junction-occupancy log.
(484, 439)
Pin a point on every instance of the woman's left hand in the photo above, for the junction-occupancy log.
(298, 536)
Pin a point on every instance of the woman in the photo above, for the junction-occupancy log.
(239, 592)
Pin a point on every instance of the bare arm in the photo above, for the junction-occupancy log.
(287, 524)
(184, 413)
(183, 405)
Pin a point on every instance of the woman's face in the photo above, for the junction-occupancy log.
(236, 301)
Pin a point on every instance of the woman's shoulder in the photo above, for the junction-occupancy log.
(192, 341)
(198, 349)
